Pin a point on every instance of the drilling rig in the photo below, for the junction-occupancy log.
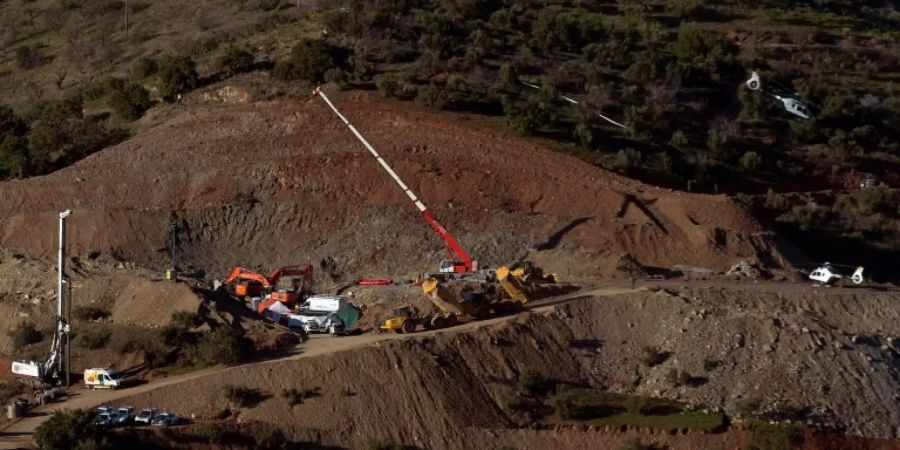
(55, 369)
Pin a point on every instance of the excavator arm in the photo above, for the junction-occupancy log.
(305, 271)
(240, 273)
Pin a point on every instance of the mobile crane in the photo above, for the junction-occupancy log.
(460, 262)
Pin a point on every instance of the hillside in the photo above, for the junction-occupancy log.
(285, 182)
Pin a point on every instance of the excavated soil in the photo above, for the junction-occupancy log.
(833, 353)
(268, 184)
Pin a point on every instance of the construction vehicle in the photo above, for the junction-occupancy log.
(460, 263)
(55, 369)
(243, 283)
(403, 320)
(330, 314)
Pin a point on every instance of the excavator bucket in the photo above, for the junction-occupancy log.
(511, 284)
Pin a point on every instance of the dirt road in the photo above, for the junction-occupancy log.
(18, 435)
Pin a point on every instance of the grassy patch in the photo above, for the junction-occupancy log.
(698, 421)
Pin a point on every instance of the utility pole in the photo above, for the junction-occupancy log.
(172, 274)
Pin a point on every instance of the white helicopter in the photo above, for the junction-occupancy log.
(827, 275)
(790, 102)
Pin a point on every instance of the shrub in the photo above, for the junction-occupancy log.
(268, 437)
(130, 101)
(93, 338)
(295, 397)
(637, 444)
(775, 437)
(60, 135)
(309, 60)
(652, 356)
(24, 334)
(87, 313)
(212, 433)
(748, 407)
(701, 47)
(224, 345)
(533, 383)
(242, 396)
(185, 319)
(751, 161)
(10, 390)
(29, 57)
(710, 364)
(177, 76)
(155, 354)
(874, 200)
(143, 68)
(235, 61)
(337, 76)
(68, 429)
(399, 85)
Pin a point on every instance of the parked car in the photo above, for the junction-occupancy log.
(106, 419)
(124, 415)
(165, 419)
(146, 416)
(104, 409)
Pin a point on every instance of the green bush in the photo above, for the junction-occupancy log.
(751, 161)
(235, 61)
(224, 345)
(242, 396)
(309, 60)
(775, 437)
(293, 396)
(68, 429)
(30, 57)
(185, 320)
(143, 68)
(24, 334)
(399, 85)
(875, 200)
(10, 390)
(533, 383)
(60, 135)
(212, 433)
(177, 76)
(13, 144)
(268, 437)
(93, 338)
(87, 313)
(130, 101)
(705, 48)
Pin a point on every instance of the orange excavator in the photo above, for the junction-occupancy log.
(243, 283)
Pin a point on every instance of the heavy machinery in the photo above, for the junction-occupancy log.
(460, 262)
(477, 296)
(403, 320)
(243, 283)
(55, 369)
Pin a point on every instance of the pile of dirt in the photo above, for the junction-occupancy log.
(151, 303)
(268, 184)
(422, 390)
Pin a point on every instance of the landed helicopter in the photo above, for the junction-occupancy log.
(829, 274)
(791, 103)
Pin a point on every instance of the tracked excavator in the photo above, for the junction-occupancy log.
(243, 283)
(480, 298)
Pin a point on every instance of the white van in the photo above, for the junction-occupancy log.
(103, 379)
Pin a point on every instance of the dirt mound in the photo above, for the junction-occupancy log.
(422, 391)
(151, 303)
(266, 184)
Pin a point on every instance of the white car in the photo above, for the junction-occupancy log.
(146, 416)
(106, 419)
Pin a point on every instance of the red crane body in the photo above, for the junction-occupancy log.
(460, 261)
